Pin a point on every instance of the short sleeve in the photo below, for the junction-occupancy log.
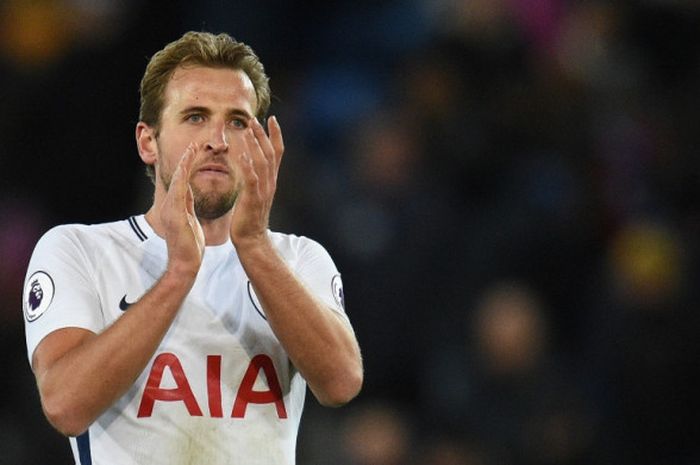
(320, 274)
(59, 289)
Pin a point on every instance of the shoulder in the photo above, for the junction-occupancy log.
(295, 245)
(64, 236)
(81, 236)
(304, 254)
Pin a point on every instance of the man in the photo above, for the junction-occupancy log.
(188, 334)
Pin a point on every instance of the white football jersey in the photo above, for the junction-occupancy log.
(219, 389)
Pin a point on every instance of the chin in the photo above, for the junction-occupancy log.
(212, 206)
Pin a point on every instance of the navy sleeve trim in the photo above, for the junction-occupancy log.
(137, 229)
(84, 454)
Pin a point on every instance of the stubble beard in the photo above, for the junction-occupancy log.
(207, 205)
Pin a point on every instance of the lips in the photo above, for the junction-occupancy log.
(213, 168)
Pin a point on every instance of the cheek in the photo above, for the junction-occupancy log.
(165, 162)
(170, 143)
(236, 140)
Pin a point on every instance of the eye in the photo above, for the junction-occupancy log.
(239, 123)
(195, 118)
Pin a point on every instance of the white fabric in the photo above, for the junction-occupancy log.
(93, 268)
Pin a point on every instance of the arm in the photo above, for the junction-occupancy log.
(317, 341)
(79, 373)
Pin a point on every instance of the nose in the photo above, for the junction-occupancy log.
(217, 141)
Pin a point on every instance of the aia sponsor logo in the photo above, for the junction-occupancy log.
(182, 392)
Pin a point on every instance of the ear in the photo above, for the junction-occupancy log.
(146, 143)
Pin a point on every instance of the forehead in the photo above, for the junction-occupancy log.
(204, 86)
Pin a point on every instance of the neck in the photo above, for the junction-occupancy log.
(216, 231)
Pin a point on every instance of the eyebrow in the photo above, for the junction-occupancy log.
(207, 111)
(239, 112)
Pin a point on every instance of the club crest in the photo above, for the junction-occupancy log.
(38, 295)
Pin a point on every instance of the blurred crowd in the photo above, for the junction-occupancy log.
(510, 188)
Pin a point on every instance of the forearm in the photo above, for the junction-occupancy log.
(89, 377)
(318, 342)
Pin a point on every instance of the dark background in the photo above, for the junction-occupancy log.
(509, 187)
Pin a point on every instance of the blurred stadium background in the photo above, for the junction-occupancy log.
(510, 188)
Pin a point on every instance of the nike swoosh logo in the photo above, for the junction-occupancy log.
(123, 304)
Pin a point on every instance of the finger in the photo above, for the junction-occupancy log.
(263, 140)
(262, 146)
(275, 131)
(179, 184)
(189, 201)
(256, 154)
(179, 180)
(249, 178)
(188, 159)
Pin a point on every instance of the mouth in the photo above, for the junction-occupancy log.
(213, 169)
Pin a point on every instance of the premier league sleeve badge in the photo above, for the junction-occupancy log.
(337, 289)
(38, 295)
